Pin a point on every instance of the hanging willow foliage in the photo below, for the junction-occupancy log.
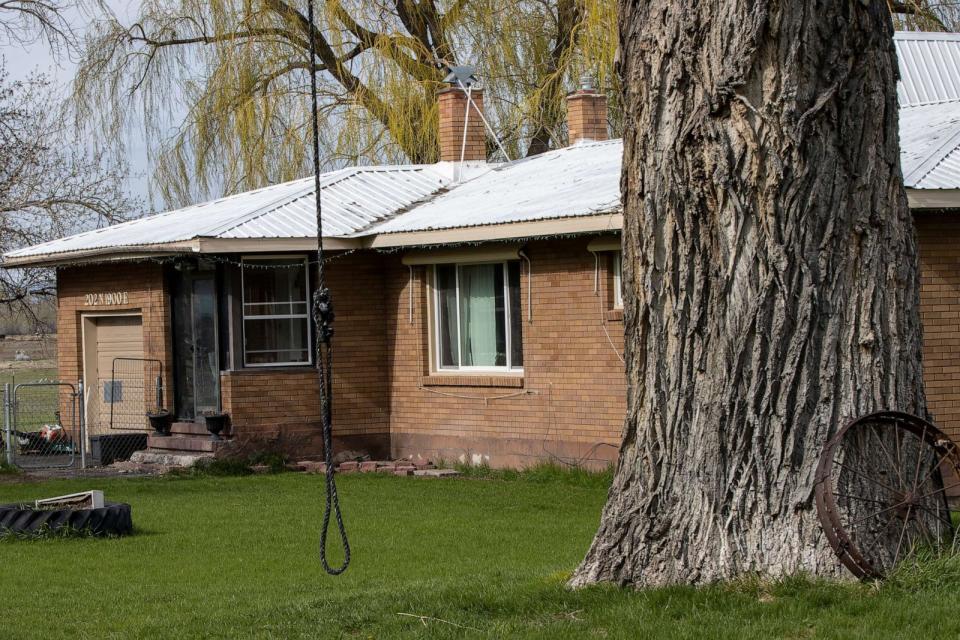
(218, 88)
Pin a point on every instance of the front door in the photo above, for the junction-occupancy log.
(197, 370)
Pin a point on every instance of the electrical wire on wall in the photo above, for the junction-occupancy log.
(323, 315)
(600, 301)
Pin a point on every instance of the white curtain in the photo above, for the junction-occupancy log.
(478, 315)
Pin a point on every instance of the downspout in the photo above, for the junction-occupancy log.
(410, 292)
(529, 285)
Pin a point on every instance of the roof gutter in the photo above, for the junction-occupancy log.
(933, 198)
(197, 246)
(107, 254)
(263, 245)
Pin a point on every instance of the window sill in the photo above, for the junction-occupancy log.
(615, 315)
(297, 368)
(472, 380)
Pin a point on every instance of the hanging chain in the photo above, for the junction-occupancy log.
(323, 316)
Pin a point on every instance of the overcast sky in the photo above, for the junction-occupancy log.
(21, 62)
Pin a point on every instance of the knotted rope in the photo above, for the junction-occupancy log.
(323, 316)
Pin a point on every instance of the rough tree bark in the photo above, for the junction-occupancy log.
(770, 279)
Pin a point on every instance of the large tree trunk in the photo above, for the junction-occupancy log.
(770, 276)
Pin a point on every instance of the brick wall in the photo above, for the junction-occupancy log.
(939, 237)
(281, 405)
(571, 401)
(146, 294)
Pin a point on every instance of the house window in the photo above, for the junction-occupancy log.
(276, 320)
(617, 281)
(477, 313)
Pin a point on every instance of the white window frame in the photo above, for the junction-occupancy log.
(437, 367)
(618, 280)
(286, 316)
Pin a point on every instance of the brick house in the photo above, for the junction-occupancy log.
(478, 306)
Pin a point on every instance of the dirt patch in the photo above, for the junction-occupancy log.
(39, 475)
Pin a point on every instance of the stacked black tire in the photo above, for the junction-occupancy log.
(113, 519)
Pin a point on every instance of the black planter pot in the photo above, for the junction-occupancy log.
(161, 421)
(216, 423)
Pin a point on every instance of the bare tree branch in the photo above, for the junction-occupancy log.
(48, 186)
(25, 22)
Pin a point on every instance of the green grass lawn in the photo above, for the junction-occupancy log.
(26, 374)
(236, 557)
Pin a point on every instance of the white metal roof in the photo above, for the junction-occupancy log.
(929, 143)
(929, 96)
(352, 200)
(929, 67)
(580, 180)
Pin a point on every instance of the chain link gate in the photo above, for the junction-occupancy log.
(117, 408)
(43, 425)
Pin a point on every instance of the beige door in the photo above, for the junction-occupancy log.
(105, 339)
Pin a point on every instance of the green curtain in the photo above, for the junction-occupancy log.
(478, 315)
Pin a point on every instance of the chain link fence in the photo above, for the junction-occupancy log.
(60, 425)
(43, 425)
(117, 406)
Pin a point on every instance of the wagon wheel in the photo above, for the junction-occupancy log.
(881, 491)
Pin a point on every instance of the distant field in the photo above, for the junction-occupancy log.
(42, 364)
(36, 348)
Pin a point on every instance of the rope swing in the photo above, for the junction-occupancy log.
(323, 317)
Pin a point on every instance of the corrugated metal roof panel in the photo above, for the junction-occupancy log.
(575, 181)
(352, 200)
(172, 226)
(929, 67)
(350, 203)
(929, 137)
(946, 175)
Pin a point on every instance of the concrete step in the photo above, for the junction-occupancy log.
(190, 428)
(183, 443)
(168, 458)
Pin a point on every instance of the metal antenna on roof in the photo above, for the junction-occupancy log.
(323, 316)
(464, 76)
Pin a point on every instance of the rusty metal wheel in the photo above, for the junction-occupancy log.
(881, 491)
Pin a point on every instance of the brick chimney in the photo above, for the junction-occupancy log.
(586, 113)
(453, 107)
